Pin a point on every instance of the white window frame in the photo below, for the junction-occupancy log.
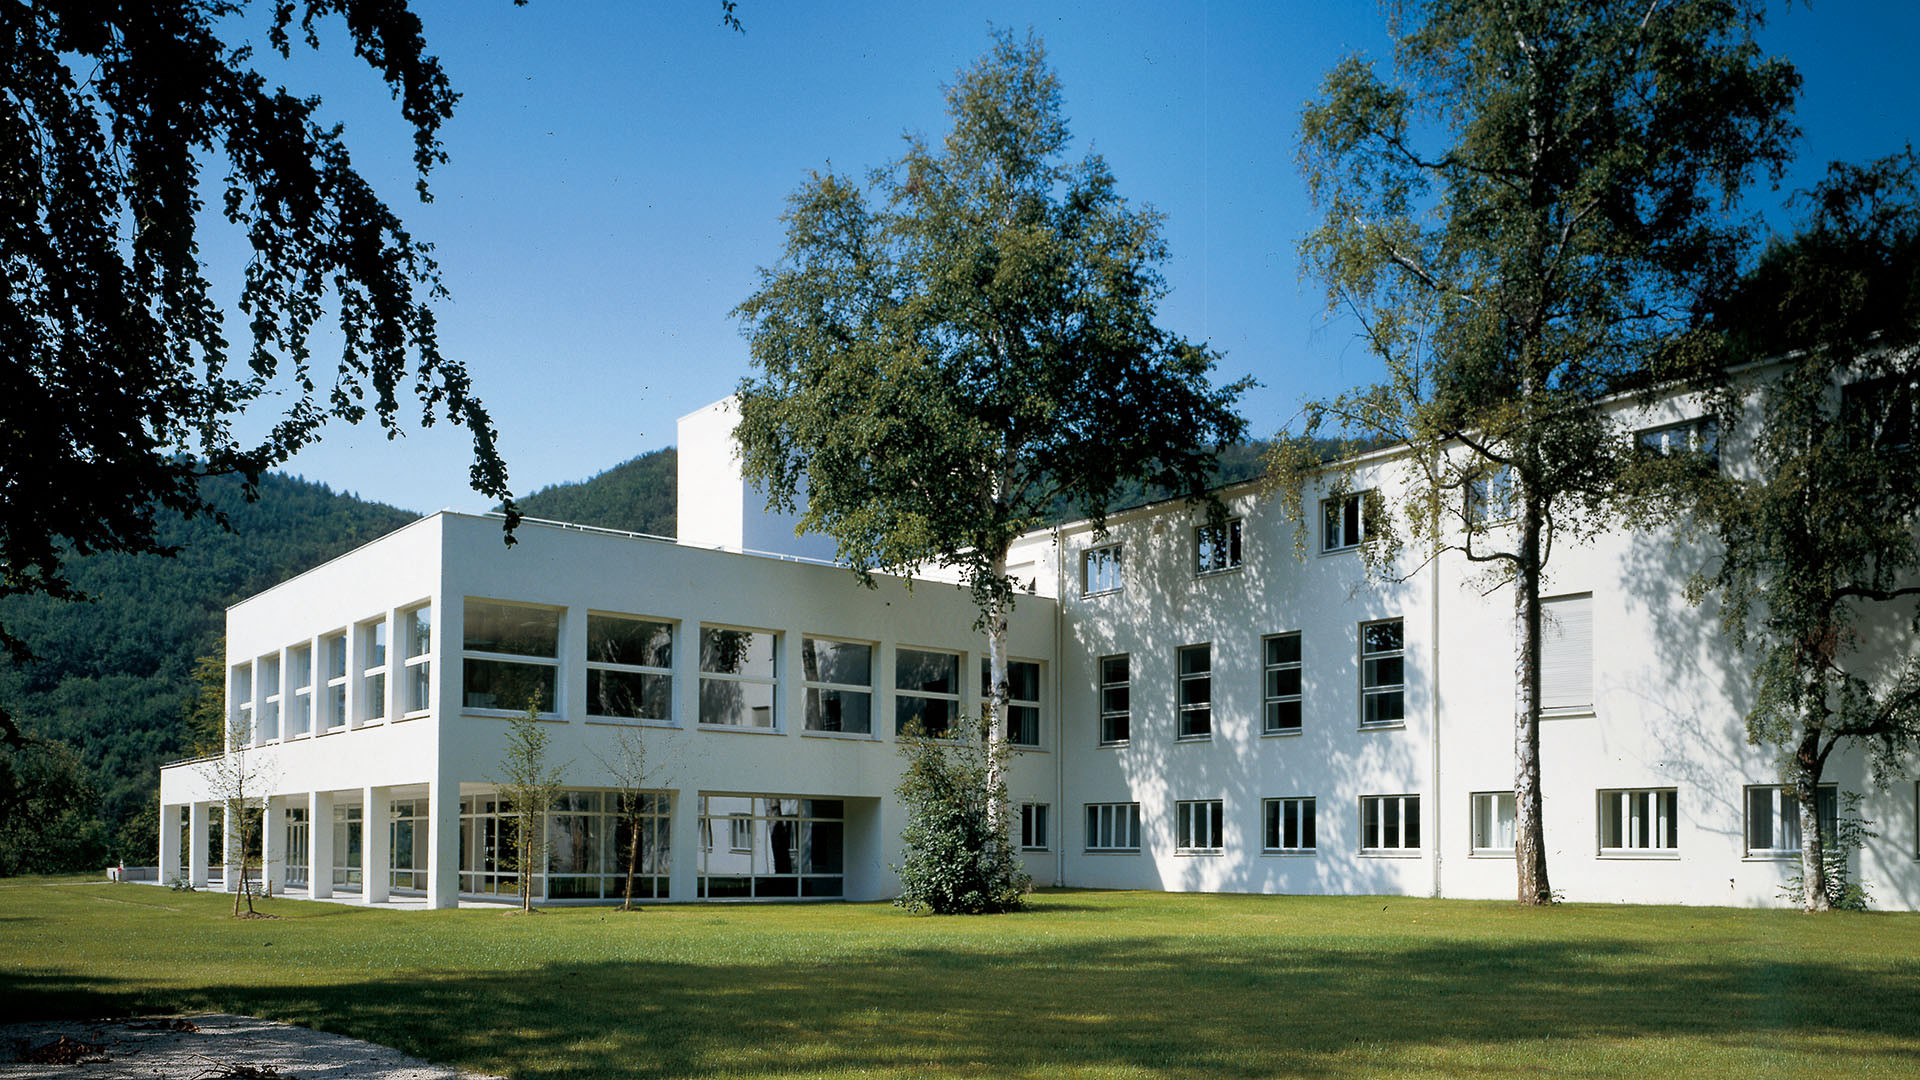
(811, 687)
(1653, 812)
(1108, 714)
(1273, 703)
(1336, 512)
(1391, 839)
(1102, 570)
(1199, 827)
(901, 693)
(1697, 436)
(548, 709)
(373, 644)
(1033, 703)
(650, 670)
(1372, 690)
(1785, 810)
(1217, 549)
(1488, 826)
(1033, 826)
(270, 667)
(1489, 497)
(337, 646)
(302, 691)
(416, 683)
(240, 689)
(1273, 826)
(1566, 681)
(775, 717)
(1116, 823)
(1189, 714)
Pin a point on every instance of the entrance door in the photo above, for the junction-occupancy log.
(296, 849)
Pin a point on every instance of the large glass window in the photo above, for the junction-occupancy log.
(629, 668)
(1216, 547)
(270, 697)
(1389, 823)
(1113, 827)
(373, 670)
(1289, 825)
(418, 692)
(838, 676)
(335, 710)
(774, 848)
(1100, 570)
(407, 845)
(1199, 826)
(1282, 686)
(588, 844)
(512, 660)
(1633, 822)
(1343, 522)
(739, 677)
(1023, 699)
(1773, 818)
(1493, 823)
(1383, 674)
(300, 679)
(926, 691)
(1196, 692)
(1489, 497)
(1115, 700)
(1698, 439)
(347, 839)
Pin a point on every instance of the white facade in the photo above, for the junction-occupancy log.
(1216, 711)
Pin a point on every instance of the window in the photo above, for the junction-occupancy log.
(300, 674)
(1383, 674)
(1216, 547)
(1566, 653)
(1033, 826)
(1100, 570)
(839, 679)
(1881, 413)
(589, 836)
(373, 670)
(927, 686)
(1196, 692)
(240, 692)
(1282, 687)
(512, 657)
(1289, 825)
(1345, 525)
(335, 646)
(1639, 821)
(1115, 706)
(419, 661)
(1489, 497)
(739, 832)
(1389, 823)
(1697, 438)
(1773, 818)
(739, 677)
(1023, 699)
(1198, 826)
(1493, 823)
(779, 848)
(407, 840)
(1113, 826)
(270, 692)
(629, 668)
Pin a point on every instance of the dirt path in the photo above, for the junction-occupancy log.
(208, 1047)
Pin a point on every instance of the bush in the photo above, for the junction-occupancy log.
(957, 862)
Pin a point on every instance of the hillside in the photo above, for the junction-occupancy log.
(636, 495)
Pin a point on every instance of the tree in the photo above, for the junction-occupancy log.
(959, 858)
(238, 779)
(945, 355)
(529, 784)
(626, 764)
(1559, 247)
(1819, 550)
(118, 388)
(207, 708)
(47, 810)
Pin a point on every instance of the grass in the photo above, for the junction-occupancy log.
(1087, 984)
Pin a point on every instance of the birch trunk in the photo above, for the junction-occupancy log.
(1529, 840)
(1806, 789)
(994, 708)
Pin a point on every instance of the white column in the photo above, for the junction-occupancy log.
(169, 843)
(319, 844)
(376, 835)
(197, 845)
(443, 844)
(683, 870)
(230, 850)
(273, 848)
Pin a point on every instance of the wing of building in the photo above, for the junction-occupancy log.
(1197, 707)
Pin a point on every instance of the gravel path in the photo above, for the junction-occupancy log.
(208, 1047)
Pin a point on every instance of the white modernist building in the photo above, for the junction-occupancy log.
(1196, 707)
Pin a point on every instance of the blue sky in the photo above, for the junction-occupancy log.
(618, 171)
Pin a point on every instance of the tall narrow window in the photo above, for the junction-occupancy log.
(1490, 497)
(1383, 674)
(1773, 818)
(629, 668)
(300, 676)
(1113, 827)
(1115, 701)
(512, 657)
(1344, 524)
(240, 715)
(1493, 823)
(1566, 653)
(1282, 689)
(1632, 822)
(1196, 692)
(335, 647)
(1033, 826)
(1199, 826)
(373, 670)
(1389, 823)
(926, 691)
(838, 676)
(1023, 699)
(1100, 570)
(1216, 547)
(270, 696)
(739, 677)
(419, 659)
(1289, 825)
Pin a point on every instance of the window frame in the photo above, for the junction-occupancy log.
(653, 671)
(776, 716)
(1033, 704)
(1826, 809)
(1663, 806)
(240, 694)
(337, 644)
(1111, 563)
(1101, 817)
(1381, 690)
(1033, 827)
(1108, 714)
(1273, 825)
(1336, 512)
(374, 641)
(416, 667)
(1408, 823)
(267, 694)
(1701, 435)
(1271, 702)
(549, 710)
(1218, 549)
(1484, 811)
(1488, 498)
(1199, 826)
(812, 687)
(302, 699)
(1185, 712)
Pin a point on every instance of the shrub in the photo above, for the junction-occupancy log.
(958, 861)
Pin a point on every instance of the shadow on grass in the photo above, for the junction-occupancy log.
(1127, 1004)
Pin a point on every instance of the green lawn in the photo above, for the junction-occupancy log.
(1087, 984)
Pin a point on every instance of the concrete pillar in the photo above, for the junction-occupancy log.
(443, 844)
(319, 844)
(170, 868)
(197, 845)
(376, 844)
(230, 849)
(273, 848)
(683, 868)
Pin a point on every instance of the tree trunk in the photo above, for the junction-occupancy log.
(633, 848)
(993, 710)
(1805, 787)
(1529, 840)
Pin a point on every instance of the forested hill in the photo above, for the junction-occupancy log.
(112, 675)
(636, 495)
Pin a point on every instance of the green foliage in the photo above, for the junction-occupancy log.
(207, 707)
(1841, 892)
(959, 856)
(48, 822)
(1559, 246)
(636, 495)
(529, 783)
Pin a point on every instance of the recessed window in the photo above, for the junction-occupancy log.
(1113, 826)
(1023, 699)
(1773, 818)
(419, 660)
(926, 691)
(1199, 826)
(1282, 686)
(1634, 822)
(1343, 522)
(1100, 570)
(270, 697)
(1115, 701)
(1493, 823)
(778, 847)
(1289, 825)
(1697, 439)
(1489, 496)
(1566, 653)
(512, 660)
(739, 677)
(1383, 674)
(1217, 547)
(240, 716)
(1389, 823)
(838, 676)
(629, 667)
(1196, 692)
(300, 676)
(335, 710)
(1033, 826)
